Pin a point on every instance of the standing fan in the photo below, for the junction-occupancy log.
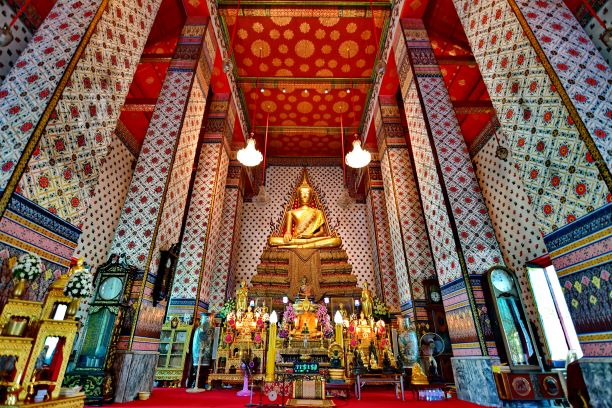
(431, 345)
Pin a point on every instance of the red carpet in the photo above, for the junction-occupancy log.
(371, 398)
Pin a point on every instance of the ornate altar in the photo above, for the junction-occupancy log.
(304, 247)
(243, 341)
(35, 343)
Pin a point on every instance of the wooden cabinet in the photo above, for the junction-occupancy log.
(173, 346)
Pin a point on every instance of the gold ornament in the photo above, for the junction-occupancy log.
(329, 21)
(304, 48)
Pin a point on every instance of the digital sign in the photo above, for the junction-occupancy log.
(301, 367)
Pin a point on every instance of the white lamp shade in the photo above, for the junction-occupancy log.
(249, 156)
(338, 317)
(273, 317)
(357, 158)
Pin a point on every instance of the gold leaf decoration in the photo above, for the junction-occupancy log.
(258, 27)
(288, 34)
(329, 21)
(247, 61)
(277, 62)
(351, 28)
(268, 106)
(283, 49)
(304, 48)
(319, 62)
(304, 107)
(370, 49)
(263, 67)
(274, 34)
(332, 63)
(242, 34)
(239, 49)
(304, 27)
(320, 34)
(340, 107)
(304, 67)
(281, 21)
(334, 35)
(324, 73)
(348, 49)
(260, 48)
(366, 35)
(326, 49)
(360, 63)
(289, 62)
(283, 73)
(346, 68)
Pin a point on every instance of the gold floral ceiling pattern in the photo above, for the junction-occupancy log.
(314, 64)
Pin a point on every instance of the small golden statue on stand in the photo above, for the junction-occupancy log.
(367, 302)
(305, 225)
(242, 297)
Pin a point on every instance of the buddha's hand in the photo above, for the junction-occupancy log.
(287, 237)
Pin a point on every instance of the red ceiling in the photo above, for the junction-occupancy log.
(297, 51)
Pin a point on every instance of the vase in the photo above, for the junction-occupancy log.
(245, 392)
(15, 327)
(19, 289)
(73, 308)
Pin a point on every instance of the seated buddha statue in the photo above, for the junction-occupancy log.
(305, 225)
(306, 324)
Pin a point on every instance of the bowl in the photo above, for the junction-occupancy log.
(144, 395)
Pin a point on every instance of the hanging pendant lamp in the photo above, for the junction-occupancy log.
(358, 157)
(249, 156)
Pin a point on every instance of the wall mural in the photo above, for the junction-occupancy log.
(22, 36)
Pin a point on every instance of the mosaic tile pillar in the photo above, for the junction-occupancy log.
(64, 97)
(197, 258)
(552, 96)
(515, 225)
(410, 243)
(154, 208)
(223, 283)
(463, 240)
(387, 283)
(582, 76)
(559, 162)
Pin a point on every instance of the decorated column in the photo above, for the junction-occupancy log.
(551, 90)
(194, 271)
(63, 98)
(380, 239)
(413, 261)
(224, 273)
(153, 212)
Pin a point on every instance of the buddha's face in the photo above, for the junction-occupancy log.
(305, 195)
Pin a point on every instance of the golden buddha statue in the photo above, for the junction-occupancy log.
(306, 324)
(305, 225)
(242, 297)
(367, 302)
(418, 376)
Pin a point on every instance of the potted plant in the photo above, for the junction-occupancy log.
(27, 268)
(79, 285)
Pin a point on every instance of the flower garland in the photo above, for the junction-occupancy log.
(80, 284)
(381, 310)
(28, 267)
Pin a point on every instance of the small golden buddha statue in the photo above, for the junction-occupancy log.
(305, 289)
(367, 302)
(304, 226)
(242, 297)
(306, 324)
(418, 376)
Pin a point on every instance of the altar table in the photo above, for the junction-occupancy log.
(395, 379)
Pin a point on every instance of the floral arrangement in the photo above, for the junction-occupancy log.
(381, 310)
(283, 333)
(28, 267)
(325, 321)
(80, 284)
(227, 308)
(289, 314)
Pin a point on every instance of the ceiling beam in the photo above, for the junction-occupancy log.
(456, 60)
(301, 3)
(471, 107)
(139, 105)
(296, 81)
(155, 58)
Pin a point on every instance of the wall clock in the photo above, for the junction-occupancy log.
(110, 288)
